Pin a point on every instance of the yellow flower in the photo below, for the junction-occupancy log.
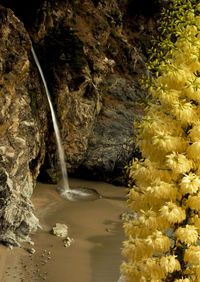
(187, 234)
(185, 112)
(198, 8)
(192, 91)
(193, 202)
(193, 271)
(196, 221)
(192, 255)
(172, 213)
(163, 190)
(145, 224)
(170, 264)
(145, 173)
(131, 271)
(178, 163)
(190, 184)
(195, 133)
(158, 241)
(193, 151)
(153, 270)
(167, 143)
(136, 249)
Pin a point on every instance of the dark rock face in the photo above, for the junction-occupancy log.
(111, 142)
(21, 135)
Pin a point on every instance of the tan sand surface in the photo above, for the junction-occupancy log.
(96, 229)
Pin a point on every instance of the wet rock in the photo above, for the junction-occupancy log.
(60, 230)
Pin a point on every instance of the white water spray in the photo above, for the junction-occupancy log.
(55, 125)
(65, 191)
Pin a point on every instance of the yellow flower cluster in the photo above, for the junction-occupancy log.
(164, 193)
(153, 269)
(190, 184)
(187, 234)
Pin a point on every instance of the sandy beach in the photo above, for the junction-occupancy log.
(96, 230)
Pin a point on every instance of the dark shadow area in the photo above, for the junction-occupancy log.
(26, 11)
(143, 7)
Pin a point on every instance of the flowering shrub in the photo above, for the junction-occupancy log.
(164, 234)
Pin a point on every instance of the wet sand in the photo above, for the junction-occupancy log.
(95, 226)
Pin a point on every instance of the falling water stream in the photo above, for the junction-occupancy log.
(65, 191)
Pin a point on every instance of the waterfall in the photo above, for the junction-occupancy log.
(65, 191)
(56, 128)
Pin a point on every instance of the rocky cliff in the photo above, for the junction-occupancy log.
(92, 54)
(22, 130)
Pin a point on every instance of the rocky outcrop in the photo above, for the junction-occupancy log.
(22, 132)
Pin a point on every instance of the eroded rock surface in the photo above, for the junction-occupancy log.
(21, 133)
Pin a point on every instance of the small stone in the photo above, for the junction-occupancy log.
(67, 242)
(30, 250)
(60, 230)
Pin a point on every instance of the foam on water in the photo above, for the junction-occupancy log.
(80, 194)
